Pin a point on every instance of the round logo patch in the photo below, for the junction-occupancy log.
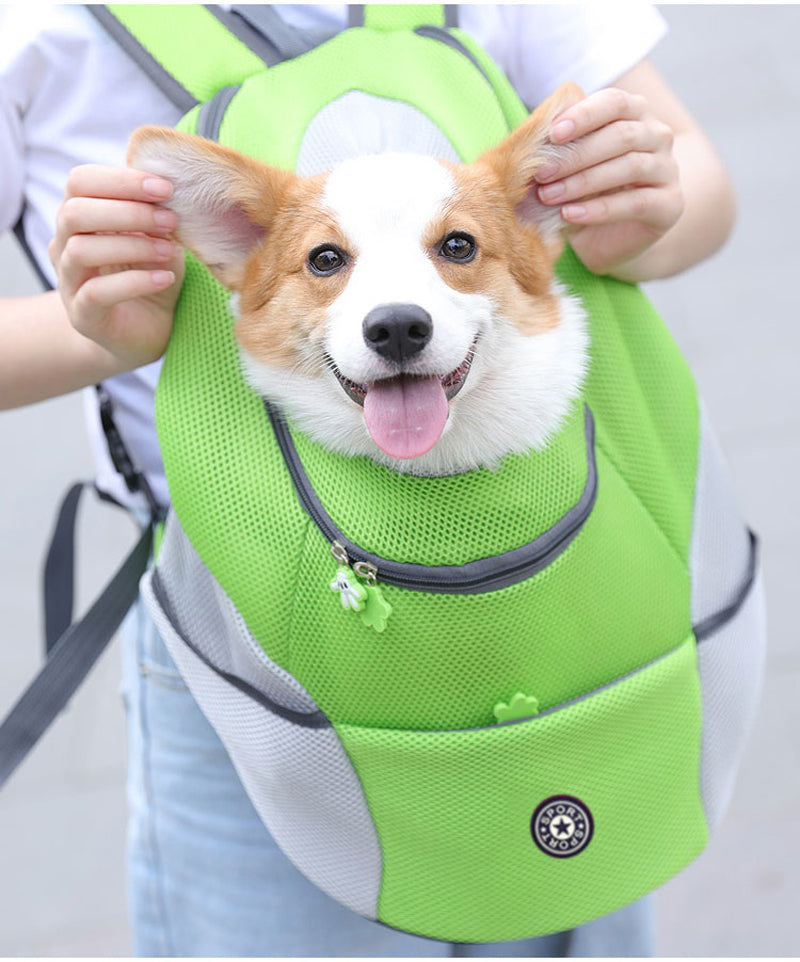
(562, 826)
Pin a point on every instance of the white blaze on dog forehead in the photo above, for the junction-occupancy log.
(387, 192)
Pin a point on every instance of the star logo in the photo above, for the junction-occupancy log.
(562, 826)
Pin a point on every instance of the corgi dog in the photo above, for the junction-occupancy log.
(398, 306)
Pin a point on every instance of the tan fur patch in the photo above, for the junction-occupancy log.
(283, 304)
(512, 265)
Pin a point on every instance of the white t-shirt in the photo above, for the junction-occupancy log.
(69, 95)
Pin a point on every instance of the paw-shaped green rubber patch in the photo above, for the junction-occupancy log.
(520, 706)
(376, 610)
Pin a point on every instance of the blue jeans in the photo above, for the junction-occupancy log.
(205, 877)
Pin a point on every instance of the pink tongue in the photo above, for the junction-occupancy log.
(406, 415)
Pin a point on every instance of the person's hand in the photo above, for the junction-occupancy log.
(617, 183)
(119, 275)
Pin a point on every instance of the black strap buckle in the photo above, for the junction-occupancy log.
(120, 458)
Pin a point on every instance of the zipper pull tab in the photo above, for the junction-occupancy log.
(352, 594)
(359, 590)
(377, 609)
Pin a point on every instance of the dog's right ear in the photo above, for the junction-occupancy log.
(517, 159)
(225, 201)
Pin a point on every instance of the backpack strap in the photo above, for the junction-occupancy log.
(402, 16)
(262, 28)
(72, 655)
(188, 50)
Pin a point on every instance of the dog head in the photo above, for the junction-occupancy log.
(397, 306)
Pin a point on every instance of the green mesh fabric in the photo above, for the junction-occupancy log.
(612, 600)
(615, 599)
(453, 809)
(362, 59)
(190, 44)
(455, 519)
(647, 428)
(513, 108)
(459, 860)
(618, 597)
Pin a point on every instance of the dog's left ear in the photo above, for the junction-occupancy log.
(225, 201)
(517, 159)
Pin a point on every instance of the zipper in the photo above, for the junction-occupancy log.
(473, 577)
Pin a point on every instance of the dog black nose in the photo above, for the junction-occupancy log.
(397, 331)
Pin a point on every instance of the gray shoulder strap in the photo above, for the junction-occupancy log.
(257, 26)
(355, 15)
(262, 29)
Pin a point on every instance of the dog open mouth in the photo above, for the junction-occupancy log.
(405, 415)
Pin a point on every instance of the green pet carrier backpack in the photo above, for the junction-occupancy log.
(536, 716)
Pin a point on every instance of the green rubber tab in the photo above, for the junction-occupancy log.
(520, 706)
(190, 44)
(377, 609)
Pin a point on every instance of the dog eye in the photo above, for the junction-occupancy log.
(326, 260)
(458, 247)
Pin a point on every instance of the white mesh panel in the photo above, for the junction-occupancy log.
(730, 663)
(359, 123)
(300, 780)
(720, 548)
(206, 615)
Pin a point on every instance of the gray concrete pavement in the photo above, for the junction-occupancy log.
(737, 318)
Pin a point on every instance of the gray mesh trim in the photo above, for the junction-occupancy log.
(360, 123)
(253, 39)
(300, 780)
(264, 19)
(730, 664)
(719, 555)
(442, 35)
(209, 120)
(207, 616)
(713, 623)
(310, 719)
(730, 653)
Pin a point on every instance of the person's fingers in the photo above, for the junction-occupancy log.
(637, 168)
(84, 253)
(595, 111)
(614, 140)
(98, 295)
(92, 215)
(116, 183)
(653, 207)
